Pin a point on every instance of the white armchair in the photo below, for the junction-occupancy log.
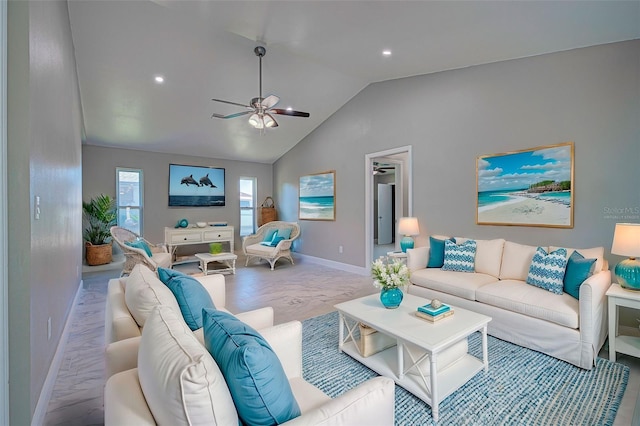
(133, 255)
(253, 249)
(178, 382)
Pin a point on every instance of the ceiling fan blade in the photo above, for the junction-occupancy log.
(288, 112)
(270, 101)
(232, 103)
(237, 114)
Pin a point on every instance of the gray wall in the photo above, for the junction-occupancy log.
(99, 176)
(44, 128)
(590, 96)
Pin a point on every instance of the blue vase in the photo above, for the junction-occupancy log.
(391, 298)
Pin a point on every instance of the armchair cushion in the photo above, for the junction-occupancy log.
(181, 382)
(274, 242)
(285, 233)
(268, 235)
(143, 291)
(192, 297)
(140, 245)
(258, 384)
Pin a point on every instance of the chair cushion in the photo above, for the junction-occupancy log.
(547, 270)
(268, 235)
(516, 259)
(256, 379)
(459, 257)
(192, 297)
(180, 380)
(578, 270)
(461, 284)
(260, 250)
(518, 296)
(139, 244)
(143, 291)
(285, 233)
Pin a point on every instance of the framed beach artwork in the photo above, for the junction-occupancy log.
(317, 200)
(531, 187)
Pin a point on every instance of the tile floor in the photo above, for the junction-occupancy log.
(296, 292)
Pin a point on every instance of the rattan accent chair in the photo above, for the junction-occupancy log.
(252, 248)
(133, 256)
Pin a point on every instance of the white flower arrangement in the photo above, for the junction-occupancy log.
(389, 275)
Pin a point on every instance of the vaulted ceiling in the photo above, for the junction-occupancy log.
(319, 55)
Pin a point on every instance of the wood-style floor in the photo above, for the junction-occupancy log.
(296, 292)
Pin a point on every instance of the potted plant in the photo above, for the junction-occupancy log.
(99, 215)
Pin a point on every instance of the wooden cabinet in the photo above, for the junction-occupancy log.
(175, 237)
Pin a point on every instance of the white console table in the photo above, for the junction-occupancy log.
(175, 237)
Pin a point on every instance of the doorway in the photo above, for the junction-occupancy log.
(388, 197)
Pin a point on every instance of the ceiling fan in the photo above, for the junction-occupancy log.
(381, 168)
(261, 109)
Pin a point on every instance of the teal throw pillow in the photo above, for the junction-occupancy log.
(459, 257)
(275, 241)
(139, 244)
(285, 233)
(547, 270)
(257, 382)
(436, 252)
(268, 235)
(192, 297)
(578, 270)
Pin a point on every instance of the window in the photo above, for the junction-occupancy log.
(247, 206)
(129, 199)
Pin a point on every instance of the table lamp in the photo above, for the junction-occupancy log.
(408, 227)
(626, 242)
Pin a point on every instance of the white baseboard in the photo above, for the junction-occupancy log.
(337, 265)
(47, 388)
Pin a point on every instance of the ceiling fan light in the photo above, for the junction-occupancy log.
(268, 120)
(256, 121)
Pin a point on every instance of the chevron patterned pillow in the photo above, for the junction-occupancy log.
(547, 270)
(459, 257)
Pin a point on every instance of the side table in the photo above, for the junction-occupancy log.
(400, 255)
(629, 345)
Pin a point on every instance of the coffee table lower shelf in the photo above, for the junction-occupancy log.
(450, 378)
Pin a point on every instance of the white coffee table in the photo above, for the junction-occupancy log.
(403, 325)
(229, 260)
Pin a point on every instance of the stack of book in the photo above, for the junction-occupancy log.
(432, 314)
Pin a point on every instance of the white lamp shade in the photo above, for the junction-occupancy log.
(408, 226)
(626, 240)
(256, 121)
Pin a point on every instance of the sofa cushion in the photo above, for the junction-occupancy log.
(518, 296)
(461, 284)
(547, 270)
(459, 257)
(516, 259)
(180, 380)
(143, 291)
(192, 297)
(578, 270)
(590, 253)
(488, 255)
(436, 252)
(253, 372)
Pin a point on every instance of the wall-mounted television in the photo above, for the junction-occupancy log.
(196, 186)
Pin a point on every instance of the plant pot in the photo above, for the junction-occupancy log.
(97, 255)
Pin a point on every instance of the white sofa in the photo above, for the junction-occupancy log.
(126, 313)
(178, 383)
(558, 325)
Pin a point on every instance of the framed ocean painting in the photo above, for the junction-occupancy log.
(317, 197)
(531, 187)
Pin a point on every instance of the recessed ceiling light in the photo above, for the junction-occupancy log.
(159, 79)
(386, 52)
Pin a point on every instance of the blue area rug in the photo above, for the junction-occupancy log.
(522, 386)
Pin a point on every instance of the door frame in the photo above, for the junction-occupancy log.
(406, 171)
(4, 281)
